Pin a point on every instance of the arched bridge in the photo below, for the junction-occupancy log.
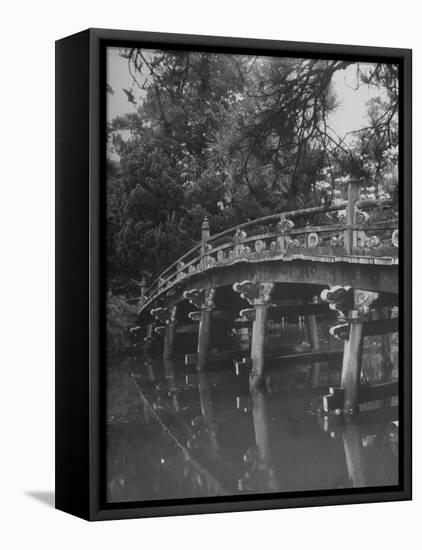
(344, 254)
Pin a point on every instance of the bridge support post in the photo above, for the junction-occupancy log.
(168, 317)
(168, 346)
(353, 308)
(204, 301)
(258, 295)
(312, 329)
(259, 331)
(204, 334)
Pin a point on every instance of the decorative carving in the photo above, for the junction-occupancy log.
(334, 241)
(149, 333)
(254, 293)
(362, 217)
(211, 261)
(281, 242)
(173, 314)
(161, 314)
(195, 315)
(363, 300)
(248, 314)
(239, 236)
(340, 332)
(164, 314)
(259, 246)
(349, 303)
(313, 240)
(395, 238)
(362, 238)
(208, 298)
(202, 299)
(342, 216)
(373, 242)
(160, 330)
(284, 225)
(194, 297)
(339, 298)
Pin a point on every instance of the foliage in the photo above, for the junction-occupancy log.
(120, 318)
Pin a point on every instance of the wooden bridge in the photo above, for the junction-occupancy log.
(341, 258)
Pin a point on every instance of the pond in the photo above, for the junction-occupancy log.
(173, 432)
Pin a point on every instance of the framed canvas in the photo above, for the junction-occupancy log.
(233, 325)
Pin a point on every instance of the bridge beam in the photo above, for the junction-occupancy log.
(258, 295)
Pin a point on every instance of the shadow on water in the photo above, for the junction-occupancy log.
(175, 433)
(45, 497)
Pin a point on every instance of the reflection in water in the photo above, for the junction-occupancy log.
(176, 433)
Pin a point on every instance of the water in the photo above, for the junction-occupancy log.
(175, 433)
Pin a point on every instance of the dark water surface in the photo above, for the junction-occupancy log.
(176, 433)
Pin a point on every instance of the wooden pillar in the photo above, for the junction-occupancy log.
(204, 334)
(258, 295)
(353, 307)
(352, 364)
(204, 301)
(350, 235)
(168, 346)
(312, 329)
(259, 330)
(313, 336)
(168, 317)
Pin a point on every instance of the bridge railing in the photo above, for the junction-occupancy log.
(348, 228)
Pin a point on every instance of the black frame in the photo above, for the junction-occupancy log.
(80, 275)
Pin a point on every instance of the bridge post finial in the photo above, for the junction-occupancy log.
(350, 235)
(204, 238)
(143, 286)
(205, 229)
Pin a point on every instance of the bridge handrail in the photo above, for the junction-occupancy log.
(363, 204)
(160, 281)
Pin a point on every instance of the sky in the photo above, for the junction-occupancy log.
(349, 116)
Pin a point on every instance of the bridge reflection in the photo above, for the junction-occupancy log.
(176, 432)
